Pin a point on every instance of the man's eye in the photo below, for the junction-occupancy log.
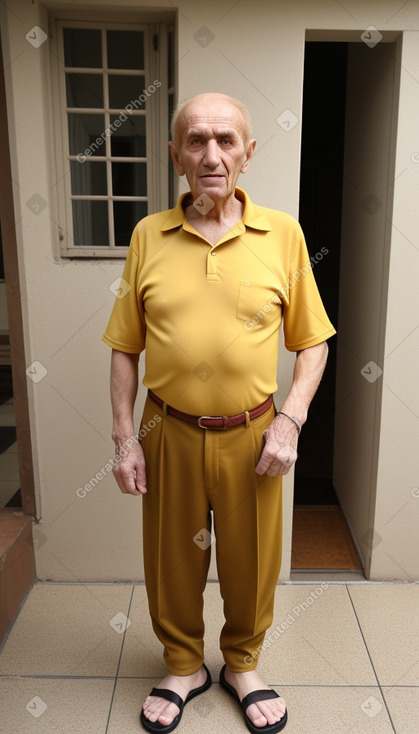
(226, 141)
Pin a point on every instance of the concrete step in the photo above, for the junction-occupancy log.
(17, 564)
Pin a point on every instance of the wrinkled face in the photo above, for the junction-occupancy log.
(210, 147)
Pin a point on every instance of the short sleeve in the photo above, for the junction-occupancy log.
(126, 328)
(305, 319)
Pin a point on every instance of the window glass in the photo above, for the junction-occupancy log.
(84, 90)
(126, 216)
(129, 179)
(125, 49)
(88, 178)
(90, 223)
(126, 89)
(129, 138)
(83, 47)
(85, 131)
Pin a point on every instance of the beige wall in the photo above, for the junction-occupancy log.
(397, 506)
(257, 55)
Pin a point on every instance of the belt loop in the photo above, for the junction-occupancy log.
(164, 409)
(246, 412)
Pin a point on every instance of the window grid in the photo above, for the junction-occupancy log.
(108, 158)
(108, 112)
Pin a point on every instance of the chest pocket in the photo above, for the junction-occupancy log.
(257, 305)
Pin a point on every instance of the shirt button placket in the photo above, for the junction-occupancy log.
(211, 263)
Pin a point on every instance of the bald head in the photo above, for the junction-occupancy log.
(209, 104)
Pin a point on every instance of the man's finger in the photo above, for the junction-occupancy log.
(265, 461)
(287, 455)
(277, 468)
(140, 480)
(131, 481)
(276, 462)
(140, 475)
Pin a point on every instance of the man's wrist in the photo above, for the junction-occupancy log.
(295, 410)
(293, 419)
(121, 435)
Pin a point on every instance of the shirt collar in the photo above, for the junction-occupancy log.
(253, 215)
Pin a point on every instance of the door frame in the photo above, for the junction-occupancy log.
(14, 310)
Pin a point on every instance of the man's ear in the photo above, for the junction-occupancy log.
(249, 153)
(175, 158)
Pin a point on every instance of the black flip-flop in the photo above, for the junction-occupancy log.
(156, 726)
(254, 697)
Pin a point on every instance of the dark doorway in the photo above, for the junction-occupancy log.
(322, 155)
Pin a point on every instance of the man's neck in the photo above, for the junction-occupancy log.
(214, 224)
(221, 211)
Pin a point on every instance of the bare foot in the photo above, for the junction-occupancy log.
(156, 708)
(264, 712)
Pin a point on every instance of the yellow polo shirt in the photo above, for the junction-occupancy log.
(208, 316)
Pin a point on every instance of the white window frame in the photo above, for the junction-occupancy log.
(157, 135)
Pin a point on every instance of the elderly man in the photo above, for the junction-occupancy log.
(207, 285)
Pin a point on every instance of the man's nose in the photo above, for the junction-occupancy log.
(212, 154)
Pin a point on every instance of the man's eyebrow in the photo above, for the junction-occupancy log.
(227, 133)
(192, 133)
(222, 133)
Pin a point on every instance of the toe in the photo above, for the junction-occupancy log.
(169, 713)
(155, 708)
(266, 713)
(271, 713)
(256, 716)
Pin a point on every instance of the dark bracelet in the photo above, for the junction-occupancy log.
(294, 420)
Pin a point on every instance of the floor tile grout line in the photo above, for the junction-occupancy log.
(215, 682)
(284, 583)
(371, 661)
(119, 661)
(41, 582)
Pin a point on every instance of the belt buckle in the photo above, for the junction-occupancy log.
(212, 418)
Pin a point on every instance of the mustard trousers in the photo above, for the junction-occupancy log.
(191, 471)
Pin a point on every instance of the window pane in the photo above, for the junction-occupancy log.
(84, 134)
(126, 89)
(83, 47)
(129, 138)
(125, 49)
(90, 223)
(84, 90)
(88, 178)
(126, 216)
(129, 179)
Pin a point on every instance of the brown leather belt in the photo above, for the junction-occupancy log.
(214, 422)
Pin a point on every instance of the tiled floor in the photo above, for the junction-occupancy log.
(81, 658)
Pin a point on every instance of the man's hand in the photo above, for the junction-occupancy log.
(129, 467)
(280, 450)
